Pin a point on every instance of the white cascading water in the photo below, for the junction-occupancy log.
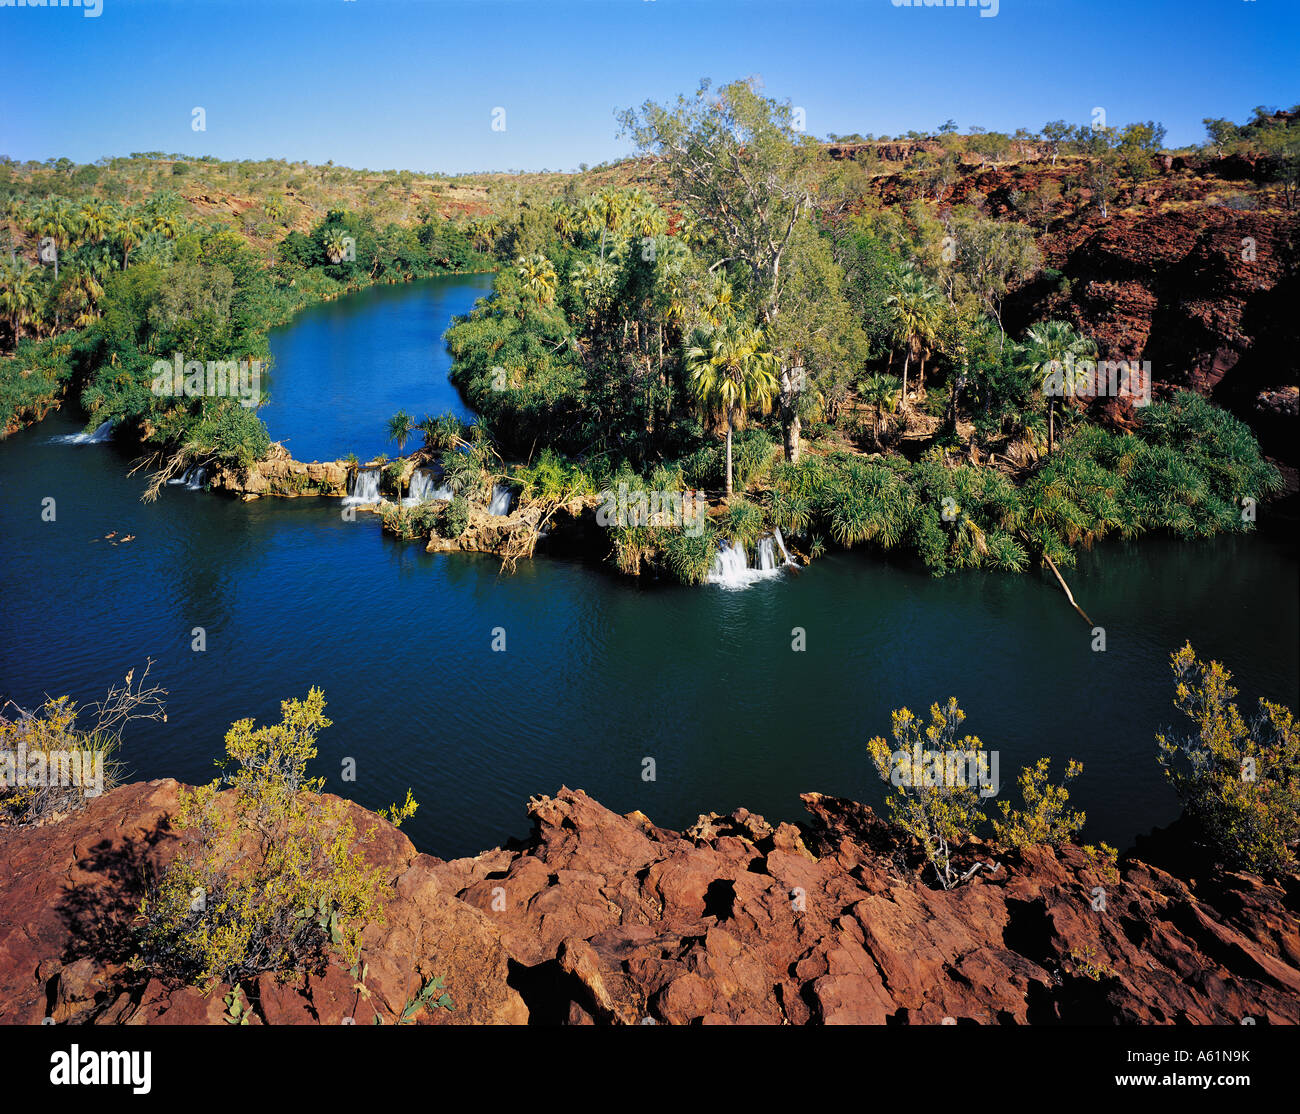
(193, 478)
(501, 499)
(103, 432)
(364, 488)
(731, 568)
(425, 486)
(780, 544)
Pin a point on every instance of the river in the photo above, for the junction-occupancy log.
(599, 673)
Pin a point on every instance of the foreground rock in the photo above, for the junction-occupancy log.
(71, 890)
(601, 918)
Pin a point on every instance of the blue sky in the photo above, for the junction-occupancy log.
(391, 84)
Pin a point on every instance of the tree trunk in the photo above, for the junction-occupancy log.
(902, 395)
(1051, 425)
(790, 424)
(728, 453)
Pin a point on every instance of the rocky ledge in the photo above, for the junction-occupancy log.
(601, 918)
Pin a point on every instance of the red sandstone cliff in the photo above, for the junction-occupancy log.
(606, 918)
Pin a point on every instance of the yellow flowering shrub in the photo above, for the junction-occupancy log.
(271, 877)
(1239, 780)
(1044, 819)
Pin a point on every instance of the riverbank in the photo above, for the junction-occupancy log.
(609, 919)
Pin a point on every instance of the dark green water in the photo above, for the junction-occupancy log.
(599, 673)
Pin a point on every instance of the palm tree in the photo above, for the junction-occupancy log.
(880, 391)
(914, 305)
(335, 243)
(720, 306)
(19, 294)
(400, 427)
(538, 276)
(14, 214)
(96, 220)
(55, 220)
(130, 230)
(1045, 349)
(731, 369)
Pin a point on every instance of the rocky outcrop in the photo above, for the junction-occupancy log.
(602, 918)
(70, 894)
(279, 474)
(734, 920)
(1195, 270)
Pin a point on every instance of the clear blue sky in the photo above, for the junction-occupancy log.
(393, 84)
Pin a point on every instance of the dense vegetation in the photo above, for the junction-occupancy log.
(121, 284)
(768, 330)
(738, 314)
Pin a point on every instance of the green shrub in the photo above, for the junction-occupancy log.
(269, 877)
(1238, 779)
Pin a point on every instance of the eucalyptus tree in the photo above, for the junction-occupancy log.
(818, 337)
(741, 163)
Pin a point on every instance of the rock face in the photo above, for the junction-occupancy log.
(601, 918)
(280, 474)
(71, 890)
(1191, 271)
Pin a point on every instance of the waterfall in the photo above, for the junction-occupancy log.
(780, 544)
(364, 488)
(425, 486)
(193, 478)
(501, 500)
(103, 432)
(731, 567)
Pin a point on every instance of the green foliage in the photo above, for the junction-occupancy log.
(743, 523)
(455, 518)
(936, 779)
(689, 557)
(431, 997)
(1044, 818)
(1238, 779)
(942, 815)
(270, 875)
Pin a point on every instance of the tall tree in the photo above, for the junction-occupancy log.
(914, 304)
(738, 161)
(1046, 348)
(731, 369)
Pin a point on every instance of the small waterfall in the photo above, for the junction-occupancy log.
(103, 432)
(193, 478)
(731, 567)
(364, 488)
(501, 500)
(425, 486)
(780, 544)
